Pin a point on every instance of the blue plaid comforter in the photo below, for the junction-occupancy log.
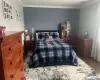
(53, 52)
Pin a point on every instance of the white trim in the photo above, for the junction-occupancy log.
(43, 6)
(19, 1)
(89, 3)
(71, 7)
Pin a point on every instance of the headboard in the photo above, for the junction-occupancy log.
(47, 31)
(37, 31)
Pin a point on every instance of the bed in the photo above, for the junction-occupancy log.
(52, 52)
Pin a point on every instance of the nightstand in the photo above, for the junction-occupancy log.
(71, 42)
(68, 41)
(29, 45)
(84, 46)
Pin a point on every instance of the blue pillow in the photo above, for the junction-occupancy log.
(46, 35)
(41, 35)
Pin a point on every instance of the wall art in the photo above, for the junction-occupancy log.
(18, 15)
(7, 10)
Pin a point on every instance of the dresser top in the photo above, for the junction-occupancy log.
(10, 33)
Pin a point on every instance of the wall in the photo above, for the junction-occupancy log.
(87, 22)
(12, 25)
(50, 18)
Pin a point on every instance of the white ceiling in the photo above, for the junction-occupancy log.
(55, 3)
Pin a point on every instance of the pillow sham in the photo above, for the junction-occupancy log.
(46, 35)
(54, 34)
(41, 35)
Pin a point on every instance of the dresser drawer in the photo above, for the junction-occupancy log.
(11, 61)
(15, 70)
(16, 74)
(9, 39)
(11, 75)
(11, 48)
(20, 73)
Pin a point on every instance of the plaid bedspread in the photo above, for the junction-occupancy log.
(52, 52)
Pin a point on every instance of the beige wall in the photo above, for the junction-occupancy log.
(12, 25)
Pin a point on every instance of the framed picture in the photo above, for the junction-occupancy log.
(18, 15)
(4, 3)
(10, 7)
(11, 17)
(5, 15)
(7, 10)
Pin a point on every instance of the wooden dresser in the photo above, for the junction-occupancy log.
(83, 46)
(11, 57)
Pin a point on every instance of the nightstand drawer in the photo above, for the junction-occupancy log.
(29, 48)
(29, 42)
(29, 45)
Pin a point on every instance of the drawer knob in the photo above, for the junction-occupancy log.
(20, 61)
(21, 70)
(11, 63)
(9, 49)
(23, 78)
(19, 41)
(12, 76)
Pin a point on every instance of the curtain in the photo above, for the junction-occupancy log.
(96, 41)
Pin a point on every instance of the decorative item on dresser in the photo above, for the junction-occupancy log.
(61, 31)
(83, 46)
(11, 56)
(29, 45)
(65, 31)
(27, 34)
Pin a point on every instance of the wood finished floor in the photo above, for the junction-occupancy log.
(92, 63)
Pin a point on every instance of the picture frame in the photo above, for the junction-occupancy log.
(7, 10)
(18, 15)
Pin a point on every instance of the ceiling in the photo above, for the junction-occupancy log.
(54, 3)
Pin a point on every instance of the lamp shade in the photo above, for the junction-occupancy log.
(33, 30)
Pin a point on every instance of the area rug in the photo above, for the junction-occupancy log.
(62, 72)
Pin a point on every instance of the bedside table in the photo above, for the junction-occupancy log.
(29, 45)
(71, 42)
(84, 46)
(67, 41)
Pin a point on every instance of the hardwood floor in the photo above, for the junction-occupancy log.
(92, 63)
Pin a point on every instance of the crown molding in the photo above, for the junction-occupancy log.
(42, 6)
(70, 7)
(89, 3)
(19, 1)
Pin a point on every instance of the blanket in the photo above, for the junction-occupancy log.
(51, 52)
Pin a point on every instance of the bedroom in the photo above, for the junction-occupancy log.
(42, 40)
